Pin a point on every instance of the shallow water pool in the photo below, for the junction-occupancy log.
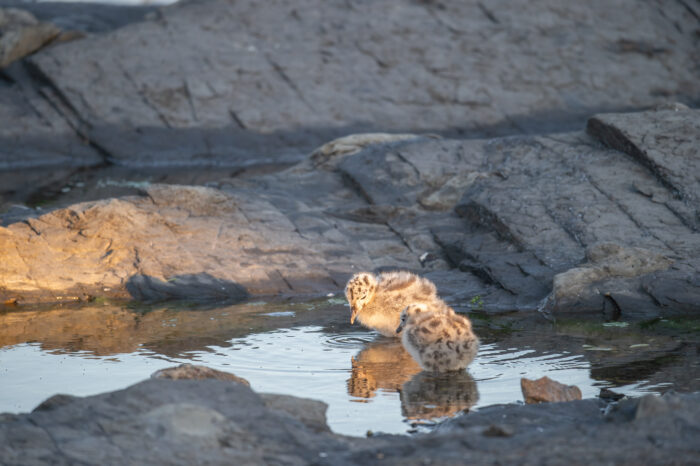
(304, 349)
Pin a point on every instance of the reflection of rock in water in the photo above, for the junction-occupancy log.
(429, 395)
(383, 364)
(103, 330)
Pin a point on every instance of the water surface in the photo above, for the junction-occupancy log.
(307, 349)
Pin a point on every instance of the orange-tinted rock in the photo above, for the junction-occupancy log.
(193, 372)
(548, 390)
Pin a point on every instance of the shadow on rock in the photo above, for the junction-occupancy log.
(198, 287)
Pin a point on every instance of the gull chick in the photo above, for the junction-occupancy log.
(438, 341)
(376, 301)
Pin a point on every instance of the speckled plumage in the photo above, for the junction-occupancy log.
(439, 341)
(377, 301)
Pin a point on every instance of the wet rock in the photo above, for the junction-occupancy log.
(186, 421)
(21, 34)
(546, 390)
(195, 372)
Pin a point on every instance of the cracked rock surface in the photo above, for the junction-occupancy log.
(559, 223)
(235, 84)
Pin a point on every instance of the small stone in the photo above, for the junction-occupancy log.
(548, 390)
(193, 372)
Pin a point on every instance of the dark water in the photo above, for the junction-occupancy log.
(310, 350)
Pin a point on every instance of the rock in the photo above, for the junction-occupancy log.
(34, 134)
(194, 372)
(161, 421)
(665, 141)
(55, 402)
(591, 281)
(242, 89)
(134, 247)
(677, 290)
(21, 34)
(652, 407)
(609, 395)
(311, 413)
(546, 390)
(85, 18)
(589, 242)
(328, 154)
(217, 422)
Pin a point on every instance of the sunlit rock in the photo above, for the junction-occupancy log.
(546, 390)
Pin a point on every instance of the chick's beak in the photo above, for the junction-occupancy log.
(399, 328)
(353, 315)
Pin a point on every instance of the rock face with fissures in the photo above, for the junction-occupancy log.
(235, 83)
(564, 224)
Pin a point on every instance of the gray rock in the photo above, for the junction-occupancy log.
(549, 219)
(666, 141)
(238, 84)
(54, 402)
(217, 422)
(163, 421)
(88, 18)
(35, 134)
(311, 413)
(584, 288)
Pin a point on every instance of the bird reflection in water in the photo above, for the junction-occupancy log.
(431, 395)
(385, 365)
